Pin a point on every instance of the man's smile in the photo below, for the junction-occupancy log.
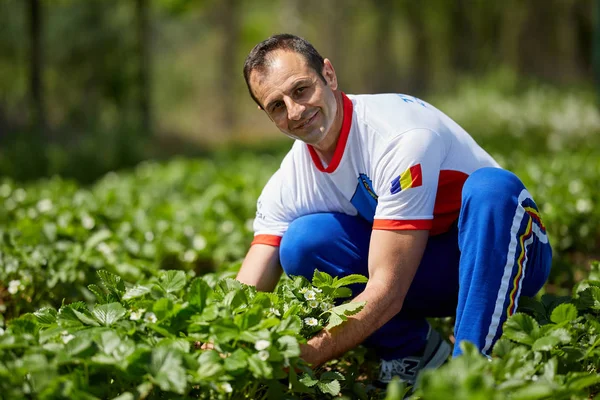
(307, 121)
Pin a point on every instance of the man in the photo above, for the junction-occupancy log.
(389, 187)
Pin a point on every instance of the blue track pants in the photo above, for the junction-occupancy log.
(497, 251)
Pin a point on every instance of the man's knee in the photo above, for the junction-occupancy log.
(493, 186)
(302, 244)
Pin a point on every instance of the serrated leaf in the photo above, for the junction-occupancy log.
(321, 279)
(502, 347)
(78, 345)
(309, 381)
(172, 281)
(289, 346)
(290, 325)
(98, 292)
(108, 314)
(210, 365)
(259, 368)
(166, 368)
(112, 282)
(46, 316)
(86, 319)
(350, 280)
(238, 360)
(198, 293)
(162, 308)
(348, 309)
(521, 328)
(331, 375)
(135, 292)
(564, 313)
(342, 293)
(562, 334)
(545, 343)
(535, 391)
(335, 320)
(333, 387)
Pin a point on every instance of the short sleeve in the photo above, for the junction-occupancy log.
(272, 217)
(406, 180)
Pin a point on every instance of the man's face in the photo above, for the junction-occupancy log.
(295, 97)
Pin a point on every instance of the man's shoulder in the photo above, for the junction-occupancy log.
(391, 113)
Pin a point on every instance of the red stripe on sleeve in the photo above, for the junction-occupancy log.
(402, 225)
(271, 240)
(416, 175)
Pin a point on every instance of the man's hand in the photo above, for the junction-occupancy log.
(394, 257)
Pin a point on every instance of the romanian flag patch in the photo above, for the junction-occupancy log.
(410, 178)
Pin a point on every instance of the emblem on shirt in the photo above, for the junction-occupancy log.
(410, 178)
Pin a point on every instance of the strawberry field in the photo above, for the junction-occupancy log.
(110, 290)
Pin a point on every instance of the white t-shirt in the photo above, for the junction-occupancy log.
(399, 163)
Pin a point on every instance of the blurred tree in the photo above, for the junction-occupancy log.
(144, 65)
(36, 86)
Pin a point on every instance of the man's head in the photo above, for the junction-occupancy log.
(294, 85)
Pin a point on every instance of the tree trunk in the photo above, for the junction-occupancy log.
(228, 71)
(35, 66)
(145, 67)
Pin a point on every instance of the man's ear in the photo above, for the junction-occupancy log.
(329, 74)
(259, 108)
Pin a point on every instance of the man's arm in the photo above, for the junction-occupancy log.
(394, 257)
(261, 267)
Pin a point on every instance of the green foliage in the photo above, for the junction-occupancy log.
(149, 343)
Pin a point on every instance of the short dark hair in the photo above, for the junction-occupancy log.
(258, 57)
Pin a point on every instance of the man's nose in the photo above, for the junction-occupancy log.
(295, 110)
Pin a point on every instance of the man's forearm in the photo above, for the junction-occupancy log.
(381, 305)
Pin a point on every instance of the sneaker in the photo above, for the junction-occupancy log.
(407, 369)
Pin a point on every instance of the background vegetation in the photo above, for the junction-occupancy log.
(129, 146)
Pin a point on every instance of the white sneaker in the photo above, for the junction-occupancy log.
(407, 369)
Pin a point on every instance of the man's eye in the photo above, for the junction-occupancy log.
(277, 105)
(300, 90)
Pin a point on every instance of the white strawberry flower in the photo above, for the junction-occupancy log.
(303, 290)
(226, 387)
(263, 355)
(1, 331)
(313, 304)
(136, 315)
(14, 286)
(67, 338)
(199, 242)
(262, 345)
(150, 318)
(326, 306)
(44, 205)
(275, 311)
(316, 289)
(189, 256)
(88, 222)
(310, 295)
(310, 321)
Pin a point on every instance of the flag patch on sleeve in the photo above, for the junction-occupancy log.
(410, 178)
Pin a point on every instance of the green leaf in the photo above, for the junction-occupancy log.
(562, 334)
(335, 320)
(521, 328)
(333, 387)
(535, 391)
(135, 292)
(162, 308)
(564, 313)
(225, 331)
(210, 365)
(172, 281)
(23, 325)
(85, 318)
(581, 381)
(350, 280)
(166, 368)
(78, 345)
(46, 316)
(502, 347)
(259, 368)
(342, 293)
(331, 375)
(308, 380)
(98, 292)
(108, 341)
(97, 238)
(108, 314)
(348, 309)
(112, 282)
(238, 360)
(545, 343)
(290, 325)
(198, 293)
(289, 346)
(321, 279)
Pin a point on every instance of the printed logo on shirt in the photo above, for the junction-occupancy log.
(410, 178)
